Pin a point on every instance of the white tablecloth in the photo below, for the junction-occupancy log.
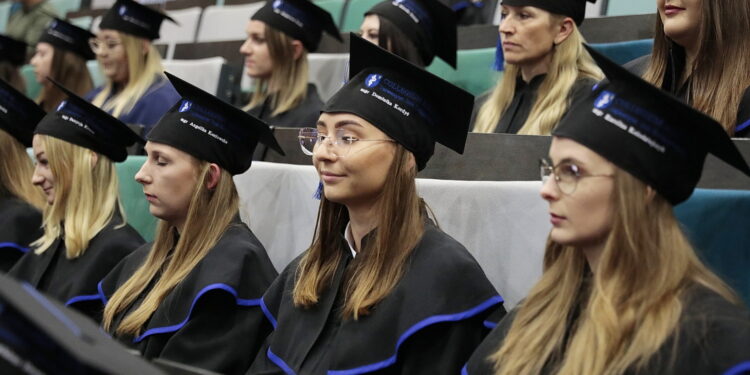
(503, 224)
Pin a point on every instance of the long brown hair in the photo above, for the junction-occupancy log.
(210, 214)
(381, 262)
(16, 170)
(9, 73)
(288, 81)
(71, 71)
(716, 84)
(629, 310)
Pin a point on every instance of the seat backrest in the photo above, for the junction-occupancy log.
(354, 14)
(625, 7)
(4, 14)
(622, 52)
(332, 6)
(102, 4)
(184, 30)
(220, 23)
(131, 196)
(83, 22)
(65, 6)
(96, 74)
(33, 88)
(474, 73)
(328, 72)
(203, 73)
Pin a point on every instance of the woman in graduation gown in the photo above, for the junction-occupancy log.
(279, 37)
(623, 291)
(193, 295)
(135, 90)
(85, 233)
(21, 202)
(12, 57)
(546, 69)
(381, 289)
(61, 54)
(416, 30)
(710, 73)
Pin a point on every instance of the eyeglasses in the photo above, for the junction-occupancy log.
(341, 145)
(99, 46)
(566, 174)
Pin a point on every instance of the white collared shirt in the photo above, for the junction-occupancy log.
(350, 239)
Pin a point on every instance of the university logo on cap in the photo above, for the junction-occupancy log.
(373, 80)
(300, 19)
(185, 106)
(604, 100)
(135, 19)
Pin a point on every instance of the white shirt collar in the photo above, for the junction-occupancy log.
(350, 239)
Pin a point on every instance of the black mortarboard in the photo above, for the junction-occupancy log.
(18, 114)
(133, 18)
(40, 336)
(647, 132)
(429, 24)
(406, 102)
(299, 19)
(12, 50)
(82, 123)
(575, 9)
(209, 129)
(68, 37)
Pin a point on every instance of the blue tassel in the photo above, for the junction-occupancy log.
(499, 65)
(318, 191)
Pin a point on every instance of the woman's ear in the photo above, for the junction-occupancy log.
(145, 47)
(297, 49)
(94, 158)
(213, 176)
(650, 194)
(411, 162)
(564, 30)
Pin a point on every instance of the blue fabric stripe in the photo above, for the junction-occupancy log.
(742, 126)
(267, 313)
(458, 6)
(52, 309)
(15, 246)
(103, 297)
(490, 325)
(279, 362)
(76, 299)
(742, 368)
(175, 327)
(464, 371)
(414, 329)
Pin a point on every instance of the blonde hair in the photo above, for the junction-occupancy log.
(717, 85)
(142, 72)
(86, 196)
(288, 81)
(570, 62)
(628, 311)
(16, 170)
(381, 262)
(211, 212)
(70, 70)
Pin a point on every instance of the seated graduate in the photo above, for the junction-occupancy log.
(416, 30)
(61, 54)
(12, 57)
(685, 58)
(279, 37)
(135, 90)
(623, 291)
(546, 69)
(85, 232)
(381, 289)
(193, 295)
(21, 202)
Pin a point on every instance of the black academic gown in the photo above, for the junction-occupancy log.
(674, 70)
(523, 101)
(304, 115)
(20, 225)
(73, 281)
(212, 319)
(429, 324)
(714, 338)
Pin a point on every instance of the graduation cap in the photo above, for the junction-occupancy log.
(81, 123)
(41, 336)
(575, 9)
(18, 114)
(68, 37)
(429, 24)
(133, 18)
(299, 19)
(647, 132)
(406, 102)
(12, 50)
(209, 129)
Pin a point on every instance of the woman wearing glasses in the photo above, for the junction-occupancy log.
(61, 54)
(623, 291)
(135, 90)
(381, 288)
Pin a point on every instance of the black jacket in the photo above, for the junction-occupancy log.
(20, 225)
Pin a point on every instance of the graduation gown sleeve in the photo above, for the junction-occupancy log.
(74, 281)
(20, 225)
(429, 323)
(212, 319)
